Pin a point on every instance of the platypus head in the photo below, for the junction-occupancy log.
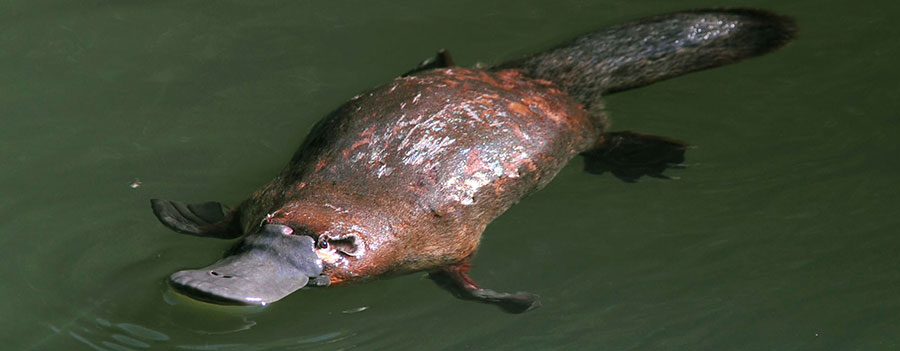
(302, 243)
(263, 268)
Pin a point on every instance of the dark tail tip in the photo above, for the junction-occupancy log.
(652, 49)
(764, 31)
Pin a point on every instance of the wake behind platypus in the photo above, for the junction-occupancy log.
(406, 177)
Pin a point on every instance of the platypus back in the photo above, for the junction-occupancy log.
(645, 51)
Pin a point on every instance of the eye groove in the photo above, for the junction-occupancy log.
(348, 245)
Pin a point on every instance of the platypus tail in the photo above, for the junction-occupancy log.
(645, 51)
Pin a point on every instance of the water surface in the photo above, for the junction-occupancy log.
(781, 233)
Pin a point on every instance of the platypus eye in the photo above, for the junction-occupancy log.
(323, 243)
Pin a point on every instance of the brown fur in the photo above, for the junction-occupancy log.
(418, 167)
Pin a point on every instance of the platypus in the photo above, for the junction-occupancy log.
(405, 177)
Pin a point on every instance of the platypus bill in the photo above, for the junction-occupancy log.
(406, 177)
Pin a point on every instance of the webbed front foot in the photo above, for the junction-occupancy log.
(441, 59)
(209, 219)
(456, 280)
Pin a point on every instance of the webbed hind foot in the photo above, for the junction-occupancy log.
(629, 155)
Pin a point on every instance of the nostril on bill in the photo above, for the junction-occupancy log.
(217, 274)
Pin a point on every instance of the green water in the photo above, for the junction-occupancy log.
(780, 235)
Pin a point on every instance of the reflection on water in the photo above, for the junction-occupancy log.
(130, 341)
(103, 335)
(186, 324)
(216, 347)
(142, 332)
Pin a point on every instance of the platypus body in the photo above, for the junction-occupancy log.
(406, 177)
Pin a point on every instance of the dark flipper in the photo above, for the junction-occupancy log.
(456, 280)
(210, 219)
(440, 60)
(629, 155)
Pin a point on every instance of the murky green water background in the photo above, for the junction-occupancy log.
(781, 235)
